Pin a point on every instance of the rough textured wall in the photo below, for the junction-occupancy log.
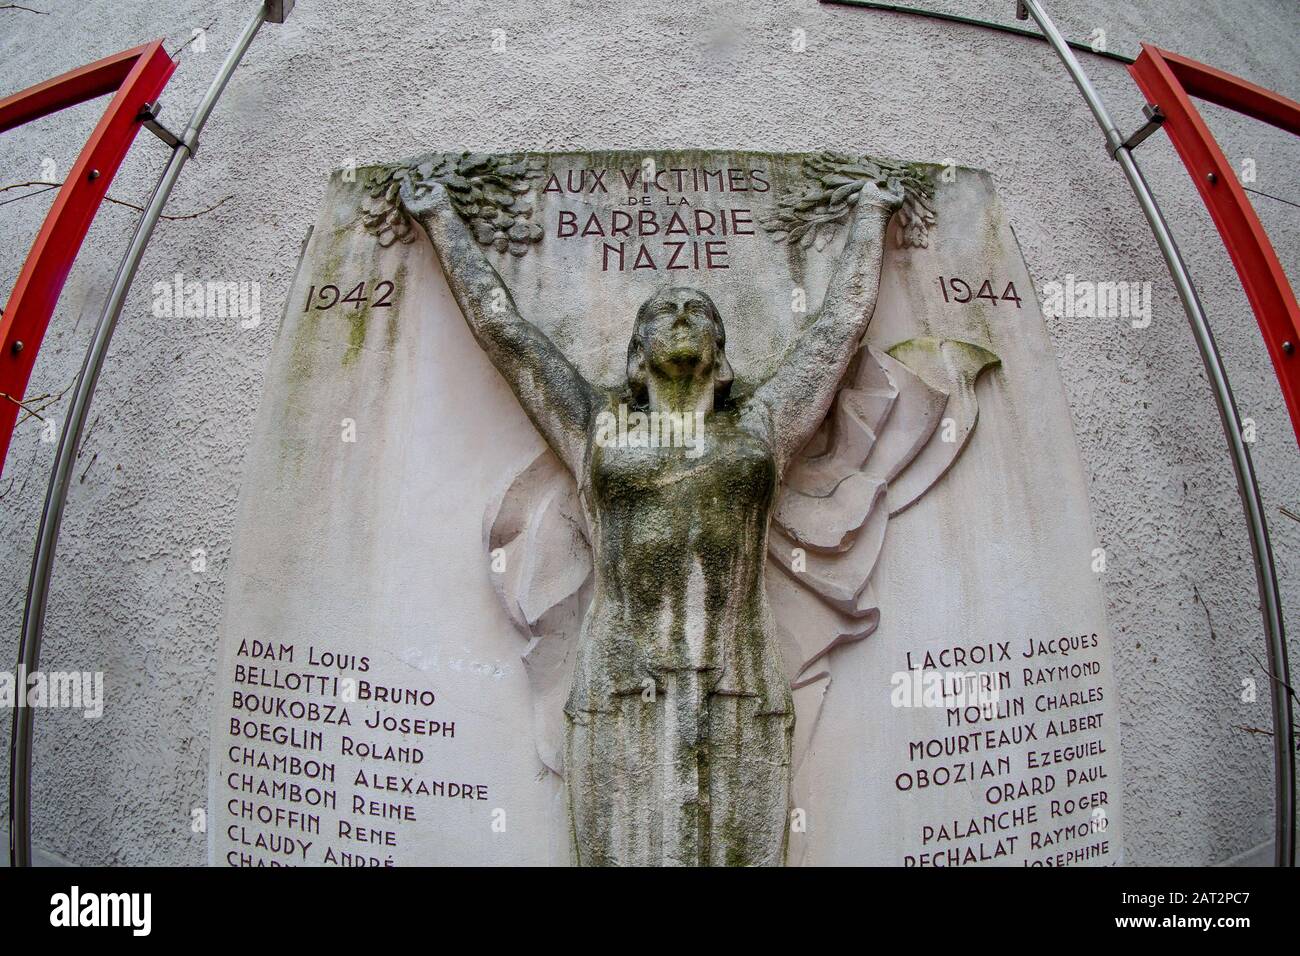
(367, 81)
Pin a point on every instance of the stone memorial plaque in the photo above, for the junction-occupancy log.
(687, 508)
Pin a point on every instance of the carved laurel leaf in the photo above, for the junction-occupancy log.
(489, 192)
(812, 216)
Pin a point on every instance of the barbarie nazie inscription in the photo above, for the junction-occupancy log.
(631, 509)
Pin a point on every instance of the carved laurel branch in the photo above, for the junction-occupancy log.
(488, 191)
(813, 216)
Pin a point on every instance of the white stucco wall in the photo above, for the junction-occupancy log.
(371, 81)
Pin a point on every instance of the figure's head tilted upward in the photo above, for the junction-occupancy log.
(678, 336)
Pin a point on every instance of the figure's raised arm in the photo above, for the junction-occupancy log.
(799, 392)
(556, 397)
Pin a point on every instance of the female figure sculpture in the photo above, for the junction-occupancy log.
(679, 719)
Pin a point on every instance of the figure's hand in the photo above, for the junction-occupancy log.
(878, 197)
(875, 207)
(430, 198)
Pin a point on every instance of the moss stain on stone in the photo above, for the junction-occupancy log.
(357, 319)
(391, 327)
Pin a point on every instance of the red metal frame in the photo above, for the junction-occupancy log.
(1170, 81)
(138, 76)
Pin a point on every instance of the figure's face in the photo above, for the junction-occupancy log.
(678, 333)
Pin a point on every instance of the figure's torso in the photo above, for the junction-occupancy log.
(679, 537)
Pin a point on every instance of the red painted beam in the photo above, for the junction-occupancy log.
(75, 86)
(1207, 83)
(1169, 81)
(138, 76)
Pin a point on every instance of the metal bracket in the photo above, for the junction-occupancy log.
(1155, 119)
(149, 117)
(277, 11)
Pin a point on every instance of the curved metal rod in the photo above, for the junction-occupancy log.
(1265, 575)
(56, 496)
(973, 22)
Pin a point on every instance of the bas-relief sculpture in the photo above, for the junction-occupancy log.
(666, 657)
(412, 513)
